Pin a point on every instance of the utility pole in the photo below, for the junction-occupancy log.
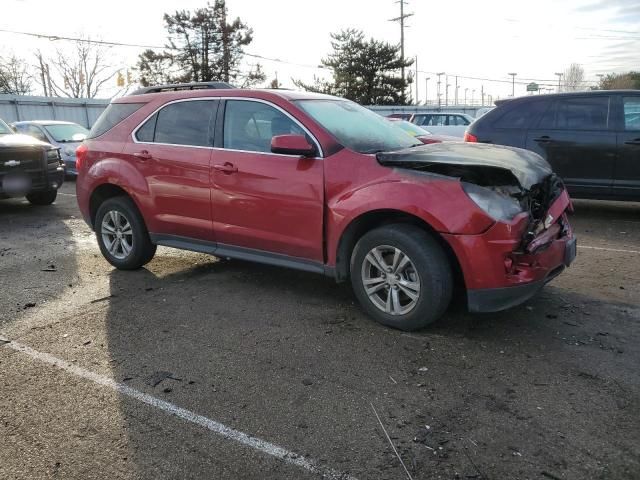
(401, 20)
(465, 95)
(473, 94)
(426, 90)
(439, 94)
(513, 84)
(446, 90)
(559, 74)
(456, 95)
(416, 80)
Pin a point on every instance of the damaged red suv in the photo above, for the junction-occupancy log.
(321, 184)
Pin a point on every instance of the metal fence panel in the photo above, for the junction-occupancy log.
(79, 110)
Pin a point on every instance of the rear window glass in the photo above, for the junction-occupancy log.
(522, 115)
(112, 115)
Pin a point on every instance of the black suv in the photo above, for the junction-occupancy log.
(591, 139)
(29, 168)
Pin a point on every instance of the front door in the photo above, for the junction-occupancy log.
(577, 138)
(261, 200)
(172, 151)
(626, 181)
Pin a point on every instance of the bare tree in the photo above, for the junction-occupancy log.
(573, 78)
(14, 77)
(79, 73)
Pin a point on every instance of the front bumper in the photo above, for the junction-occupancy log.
(499, 273)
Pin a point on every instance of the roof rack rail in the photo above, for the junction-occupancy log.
(174, 87)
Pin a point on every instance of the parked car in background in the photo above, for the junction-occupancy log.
(591, 139)
(400, 116)
(453, 124)
(420, 133)
(64, 135)
(28, 167)
(324, 185)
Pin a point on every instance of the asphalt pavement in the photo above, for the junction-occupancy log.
(196, 367)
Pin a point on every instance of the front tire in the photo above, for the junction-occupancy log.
(122, 235)
(401, 276)
(42, 198)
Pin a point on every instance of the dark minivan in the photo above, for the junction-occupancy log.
(591, 139)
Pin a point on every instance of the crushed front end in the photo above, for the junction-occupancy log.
(530, 241)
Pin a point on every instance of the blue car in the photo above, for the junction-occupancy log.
(64, 135)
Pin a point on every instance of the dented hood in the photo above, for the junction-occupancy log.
(527, 167)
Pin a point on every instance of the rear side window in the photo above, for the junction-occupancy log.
(631, 113)
(182, 123)
(112, 115)
(522, 115)
(583, 113)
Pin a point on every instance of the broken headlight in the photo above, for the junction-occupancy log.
(499, 206)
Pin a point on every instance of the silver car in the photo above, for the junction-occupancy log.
(453, 124)
(64, 135)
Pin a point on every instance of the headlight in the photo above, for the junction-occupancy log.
(498, 206)
(53, 154)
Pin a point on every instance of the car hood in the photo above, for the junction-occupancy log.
(527, 167)
(18, 140)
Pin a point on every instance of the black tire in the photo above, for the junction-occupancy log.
(431, 266)
(141, 251)
(46, 197)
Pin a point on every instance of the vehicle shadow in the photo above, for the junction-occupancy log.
(37, 259)
(289, 357)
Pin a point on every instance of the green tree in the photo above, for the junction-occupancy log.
(615, 81)
(365, 71)
(203, 46)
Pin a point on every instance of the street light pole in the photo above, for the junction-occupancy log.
(559, 74)
(465, 95)
(426, 90)
(439, 94)
(513, 84)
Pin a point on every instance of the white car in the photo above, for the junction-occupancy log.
(453, 124)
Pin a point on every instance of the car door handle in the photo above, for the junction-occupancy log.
(633, 142)
(226, 168)
(542, 139)
(143, 155)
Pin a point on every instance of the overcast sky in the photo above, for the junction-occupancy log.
(484, 39)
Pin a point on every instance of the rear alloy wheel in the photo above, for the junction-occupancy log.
(42, 198)
(401, 276)
(122, 234)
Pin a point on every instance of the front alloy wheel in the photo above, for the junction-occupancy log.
(401, 276)
(391, 280)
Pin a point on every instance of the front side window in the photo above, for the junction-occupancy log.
(250, 126)
(583, 113)
(356, 127)
(631, 113)
(182, 123)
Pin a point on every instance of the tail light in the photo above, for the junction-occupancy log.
(468, 137)
(81, 155)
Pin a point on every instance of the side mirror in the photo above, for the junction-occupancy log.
(292, 145)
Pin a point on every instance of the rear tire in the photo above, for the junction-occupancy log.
(122, 235)
(401, 276)
(42, 198)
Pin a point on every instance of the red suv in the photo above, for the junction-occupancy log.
(321, 184)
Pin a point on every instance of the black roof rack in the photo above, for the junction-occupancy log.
(174, 87)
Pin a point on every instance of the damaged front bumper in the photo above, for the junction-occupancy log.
(508, 264)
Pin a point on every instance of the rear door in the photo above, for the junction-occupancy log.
(577, 137)
(626, 182)
(262, 200)
(172, 151)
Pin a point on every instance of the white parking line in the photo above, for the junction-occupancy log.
(218, 428)
(619, 250)
(67, 194)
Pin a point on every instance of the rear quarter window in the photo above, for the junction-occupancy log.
(112, 115)
(523, 115)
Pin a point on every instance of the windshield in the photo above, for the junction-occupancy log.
(356, 127)
(67, 132)
(4, 128)
(411, 128)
